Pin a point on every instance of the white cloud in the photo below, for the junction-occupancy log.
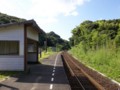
(46, 11)
(47, 20)
(74, 13)
(52, 8)
(6, 7)
(14, 7)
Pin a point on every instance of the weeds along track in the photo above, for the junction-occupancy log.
(78, 78)
(83, 78)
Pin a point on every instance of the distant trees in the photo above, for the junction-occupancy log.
(55, 40)
(97, 34)
(42, 38)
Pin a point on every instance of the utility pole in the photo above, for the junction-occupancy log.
(45, 44)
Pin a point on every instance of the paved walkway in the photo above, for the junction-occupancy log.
(49, 75)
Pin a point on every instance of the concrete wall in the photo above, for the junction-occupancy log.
(32, 34)
(11, 63)
(13, 33)
(14, 62)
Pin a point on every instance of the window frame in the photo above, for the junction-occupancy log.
(33, 46)
(9, 48)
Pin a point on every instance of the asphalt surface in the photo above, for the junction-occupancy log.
(49, 75)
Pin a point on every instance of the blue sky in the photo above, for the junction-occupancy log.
(61, 16)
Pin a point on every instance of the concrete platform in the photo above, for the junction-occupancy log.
(49, 75)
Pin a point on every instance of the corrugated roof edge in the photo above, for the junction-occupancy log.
(34, 24)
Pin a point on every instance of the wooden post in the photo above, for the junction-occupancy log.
(25, 48)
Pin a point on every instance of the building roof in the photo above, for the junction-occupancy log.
(27, 22)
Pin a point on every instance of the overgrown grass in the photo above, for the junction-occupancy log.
(5, 74)
(46, 54)
(105, 60)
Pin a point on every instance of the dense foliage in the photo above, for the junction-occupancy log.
(4, 19)
(97, 34)
(97, 44)
(42, 38)
(55, 40)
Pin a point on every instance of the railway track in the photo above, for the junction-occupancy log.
(78, 78)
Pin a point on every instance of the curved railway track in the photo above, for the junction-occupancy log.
(78, 79)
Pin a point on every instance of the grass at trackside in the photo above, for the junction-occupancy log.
(5, 74)
(107, 61)
(45, 55)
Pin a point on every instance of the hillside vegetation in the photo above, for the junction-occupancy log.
(97, 44)
(4, 19)
(55, 40)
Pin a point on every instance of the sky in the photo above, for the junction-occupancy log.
(61, 16)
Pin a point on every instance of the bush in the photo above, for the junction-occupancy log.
(105, 60)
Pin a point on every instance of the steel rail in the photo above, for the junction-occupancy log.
(88, 76)
(75, 75)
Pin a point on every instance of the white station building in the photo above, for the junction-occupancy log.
(18, 45)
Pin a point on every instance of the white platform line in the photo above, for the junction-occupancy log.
(52, 79)
(56, 60)
(53, 70)
(36, 83)
(53, 74)
(51, 86)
